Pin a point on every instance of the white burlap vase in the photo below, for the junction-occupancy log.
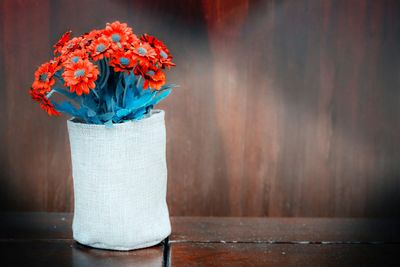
(120, 183)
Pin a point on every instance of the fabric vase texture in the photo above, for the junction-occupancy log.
(120, 183)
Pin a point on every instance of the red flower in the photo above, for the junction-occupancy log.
(93, 34)
(120, 35)
(72, 45)
(74, 56)
(88, 38)
(100, 48)
(154, 79)
(123, 61)
(144, 52)
(144, 55)
(45, 103)
(163, 55)
(80, 76)
(44, 76)
(60, 44)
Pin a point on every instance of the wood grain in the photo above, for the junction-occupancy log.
(211, 254)
(36, 226)
(58, 226)
(284, 230)
(45, 239)
(69, 253)
(286, 108)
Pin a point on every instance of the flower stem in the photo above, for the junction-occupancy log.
(107, 73)
(50, 94)
(95, 93)
(123, 98)
(58, 75)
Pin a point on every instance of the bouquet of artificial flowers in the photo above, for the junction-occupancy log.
(108, 75)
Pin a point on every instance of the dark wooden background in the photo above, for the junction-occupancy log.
(286, 108)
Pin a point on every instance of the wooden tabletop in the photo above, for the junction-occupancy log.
(45, 239)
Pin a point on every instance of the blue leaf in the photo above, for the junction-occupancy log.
(91, 113)
(108, 124)
(139, 83)
(119, 92)
(68, 94)
(168, 86)
(139, 114)
(90, 102)
(106, 116)
(94, 120)
(129, 80)
(128, 97)
(101, 77)
(104, 73)
(107, 100)
(160, 96)
(142, 101)
(67, 107)
(82, 112)
(123, 112)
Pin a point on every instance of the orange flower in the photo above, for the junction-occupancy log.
(74, 57)
(119, 34)
(44, 76)
(80, 77)
(45, 103)
(89, 37)
(100, 48)
(132, 39)
(123, 61)
(93, 34)
(154, 79)
(72, 45)
(144, 52)
(60, 44)
(144, 55)
(163, 55)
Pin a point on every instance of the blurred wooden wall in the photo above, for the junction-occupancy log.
(286, 108)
